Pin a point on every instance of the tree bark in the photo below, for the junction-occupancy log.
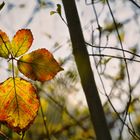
(85, 71)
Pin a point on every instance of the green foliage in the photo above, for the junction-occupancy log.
(58, 10)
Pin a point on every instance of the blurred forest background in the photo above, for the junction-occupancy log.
(112, 32)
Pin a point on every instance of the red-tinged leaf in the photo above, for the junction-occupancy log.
(19, 103)
(39, 65)
(4, 45)
(21, 42)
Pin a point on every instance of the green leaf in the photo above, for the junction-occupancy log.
(53, 12)
(58, 9)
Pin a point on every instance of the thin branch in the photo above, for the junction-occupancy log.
(99, 28)
(67, 112)
(130, 120)
(112, 48)
(117, 57)
(127, 71)
(44, 121)
(135, 3)
(40, 89)
(124, 123)
(117, 31)
(23, 134)
(63, 20)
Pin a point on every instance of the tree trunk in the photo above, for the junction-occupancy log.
(84, 68)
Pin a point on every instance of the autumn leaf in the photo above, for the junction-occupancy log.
(21, 42)
(39, 65)
(4, 45)
(18, 103)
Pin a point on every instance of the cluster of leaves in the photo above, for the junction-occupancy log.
(58, 10)
(19, 101)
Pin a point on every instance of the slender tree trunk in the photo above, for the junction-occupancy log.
(84, 68)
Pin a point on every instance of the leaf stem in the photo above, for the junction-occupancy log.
(45, 125)
(13, 75)
(117, 57)
(13, 69)
(23, 134)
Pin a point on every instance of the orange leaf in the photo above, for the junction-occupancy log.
(4, 44)
(39, 65)
(21, 42)
(18, 103)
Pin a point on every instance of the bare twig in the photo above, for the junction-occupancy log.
(127, 71)
(113, 48)
(67, 112)
(135, 3)
(118, 57)
(44, 121)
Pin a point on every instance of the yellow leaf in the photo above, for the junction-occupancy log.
(18, 103)
(39, 65)
(21, 42)
(4, 45)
